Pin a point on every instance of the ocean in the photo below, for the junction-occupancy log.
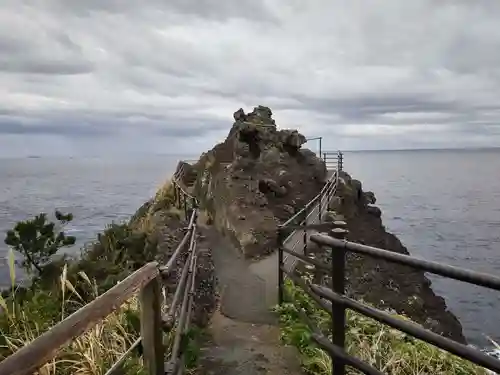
(444, 205)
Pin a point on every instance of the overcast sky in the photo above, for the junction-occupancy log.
(165, 76)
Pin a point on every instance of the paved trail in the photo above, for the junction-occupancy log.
(244, 332)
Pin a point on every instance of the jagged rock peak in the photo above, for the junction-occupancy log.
(260, 115)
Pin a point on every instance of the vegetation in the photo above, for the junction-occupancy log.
(93, 352)
(387, 349)
(62, 286)
(37, 240)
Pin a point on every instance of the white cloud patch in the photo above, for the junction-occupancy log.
(165, 76)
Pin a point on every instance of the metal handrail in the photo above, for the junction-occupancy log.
(320, 204)
(334, 300)
(339, 302)
(331, 180)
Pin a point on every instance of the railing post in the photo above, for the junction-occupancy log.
(324, 159)
(175, 192)
(305, 231)
(178, 201)
(320, 139)
(194, 205)
(185, 206)
(151, 327)
(280, 266)
(319, 205)
(338, 310)
(334, 186)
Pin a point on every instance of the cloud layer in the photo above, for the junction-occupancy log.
(166, 76)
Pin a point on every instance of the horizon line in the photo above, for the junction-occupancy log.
(475, 148)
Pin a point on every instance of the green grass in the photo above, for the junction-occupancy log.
(387, 349)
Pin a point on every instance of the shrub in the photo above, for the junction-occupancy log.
(38, 240)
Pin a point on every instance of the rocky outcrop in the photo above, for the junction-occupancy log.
(256, 179)
(384, 284)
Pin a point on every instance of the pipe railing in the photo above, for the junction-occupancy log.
(292, 231)
(320, 141)
(148, 282)
(335, 302)
(333, 159)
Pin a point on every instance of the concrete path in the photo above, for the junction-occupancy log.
(244, 335)
(242, 292)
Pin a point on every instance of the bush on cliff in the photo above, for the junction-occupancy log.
(387, 349)
(38, 240)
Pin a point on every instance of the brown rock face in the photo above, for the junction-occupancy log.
(258, 173)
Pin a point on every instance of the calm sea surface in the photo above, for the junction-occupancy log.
(443, 205)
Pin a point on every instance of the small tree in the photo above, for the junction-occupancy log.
(38, 240)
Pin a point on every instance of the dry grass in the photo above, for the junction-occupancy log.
(387, 349)
(165, 190)
(91, 353)
(163, 200)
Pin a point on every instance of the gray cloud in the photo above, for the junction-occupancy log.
(167, 76)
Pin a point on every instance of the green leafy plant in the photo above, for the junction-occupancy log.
(387, 349)
(38, 240)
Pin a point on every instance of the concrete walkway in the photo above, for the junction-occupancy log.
(244, 335)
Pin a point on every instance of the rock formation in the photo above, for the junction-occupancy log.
(384, 284)
(256, 179)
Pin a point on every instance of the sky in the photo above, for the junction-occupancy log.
(80, 77)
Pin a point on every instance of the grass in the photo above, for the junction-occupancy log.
(387, 349)
(164, 198)
(93, 352)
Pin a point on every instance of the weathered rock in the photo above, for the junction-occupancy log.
(268, 185)
(370, 197)
(289, 209)
(292, 140)
(259, 172)
(239, 115)
(374, 210)
(261, 115)
(357, 189)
